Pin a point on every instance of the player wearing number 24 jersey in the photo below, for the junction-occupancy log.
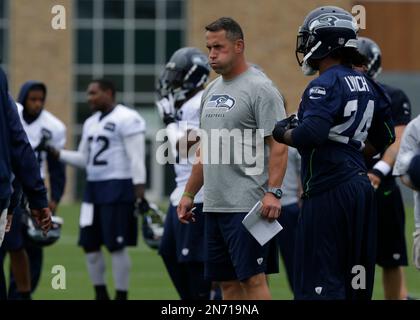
(345, 108)
(342, 118)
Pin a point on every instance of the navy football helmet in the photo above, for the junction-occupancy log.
(372, 54)
(34, 234)
(152, 226)
(187, 70)
(324, 30)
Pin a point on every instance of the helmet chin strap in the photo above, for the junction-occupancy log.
(314, 48)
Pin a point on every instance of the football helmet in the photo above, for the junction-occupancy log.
(152, 226)
(324, 30)
(187, 70)
(372, 54)
(34, 234)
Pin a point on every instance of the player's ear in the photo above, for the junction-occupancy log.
(239, 46)
(110, 94)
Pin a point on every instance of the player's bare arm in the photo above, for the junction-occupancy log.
(383, 167)
(194, 184)
(9, 221)
(277, 164)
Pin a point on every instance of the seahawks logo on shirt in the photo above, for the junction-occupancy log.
(317, 90)
(46, 134)
(110, 126)
(317, 93)
(221, 101)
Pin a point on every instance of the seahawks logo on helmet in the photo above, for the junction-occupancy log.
(221, 101)
(199, 60)
(337, 20)
(328, 21)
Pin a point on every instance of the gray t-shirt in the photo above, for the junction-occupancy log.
(409, 147)
(291, 181)
(236, 115)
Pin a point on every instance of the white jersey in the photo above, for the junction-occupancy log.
(409, 147)
(103, 138)
(291, 181)
(190, 114)
(45, 125)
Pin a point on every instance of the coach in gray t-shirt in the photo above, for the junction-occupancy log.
(240, 164)
(236, 109)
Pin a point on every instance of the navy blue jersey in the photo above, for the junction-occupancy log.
(16, 153)
(340, 110)
(400, 105)
(401, 115)
(5, 145)
(25, 166)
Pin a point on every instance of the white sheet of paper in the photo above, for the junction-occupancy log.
(86, 215)
(261, 229)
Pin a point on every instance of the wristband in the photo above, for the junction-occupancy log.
(189, 195)
(383, 167)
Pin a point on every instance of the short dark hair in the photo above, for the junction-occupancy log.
(232, 28)
(106, 84)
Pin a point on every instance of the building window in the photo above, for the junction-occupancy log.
(129, 42)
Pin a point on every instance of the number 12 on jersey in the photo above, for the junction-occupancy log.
(104, 145)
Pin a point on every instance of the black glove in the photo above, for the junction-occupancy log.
(168, 118)
(45, 146)
(166, 108)
(142, 206)
(282, 126)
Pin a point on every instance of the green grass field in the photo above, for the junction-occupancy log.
(149, 280)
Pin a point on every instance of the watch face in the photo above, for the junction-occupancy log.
(277, 192)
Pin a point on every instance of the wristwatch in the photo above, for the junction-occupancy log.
(276, 191)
